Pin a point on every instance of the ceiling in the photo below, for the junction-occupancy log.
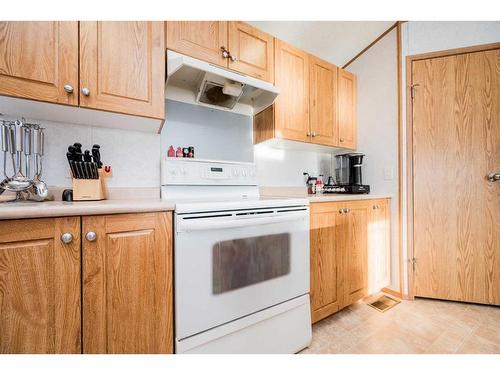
(334, 41)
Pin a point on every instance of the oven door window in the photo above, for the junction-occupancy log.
(247, 261)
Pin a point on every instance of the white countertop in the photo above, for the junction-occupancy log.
(29, 209)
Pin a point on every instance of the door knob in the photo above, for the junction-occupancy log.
(493, 176)
(91, 236)
(66, 237)
(68, 88)
(85, 91)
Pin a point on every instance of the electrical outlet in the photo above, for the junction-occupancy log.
(388, 173)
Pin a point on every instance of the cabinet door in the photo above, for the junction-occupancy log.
(325, 261)
(38, 59)
(352, 235)
(379, 245)
(323, 102)
(199, 39)
(122, 67)
(292, 104)
(40, 286)
(347, 109)
(127, 284)
(253, 50)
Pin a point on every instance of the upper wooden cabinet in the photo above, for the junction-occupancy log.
(127, 283)
(122, 67)
(40, 286)
(323, 102)
(347, 104)
(292, 105)
(39, 60)
(251, 50)
(199, 39)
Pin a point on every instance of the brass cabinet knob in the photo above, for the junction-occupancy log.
(91, 236)
(341, 211)
(68, 88)
(66, 238)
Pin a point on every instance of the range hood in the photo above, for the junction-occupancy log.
(193, 81)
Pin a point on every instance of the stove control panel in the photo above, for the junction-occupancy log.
(183, 171)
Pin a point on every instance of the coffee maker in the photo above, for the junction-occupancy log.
(348, 175)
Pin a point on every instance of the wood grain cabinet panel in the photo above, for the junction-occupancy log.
(379, 245)
(122, 67)
(292, 104)
(199, 39)
(253, 50)
(323, 102)
(325, 262)
(40, 286)
(353, 236)
(347, 104)
(127, 284)
(37, 59)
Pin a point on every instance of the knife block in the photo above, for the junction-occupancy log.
(88, 189)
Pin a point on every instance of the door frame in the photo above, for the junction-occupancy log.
(410, 251)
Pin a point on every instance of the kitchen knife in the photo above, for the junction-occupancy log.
(87, 159)
(96, 153)
(71, 163)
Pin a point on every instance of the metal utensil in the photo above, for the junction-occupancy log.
(39, 190)
(19, 182)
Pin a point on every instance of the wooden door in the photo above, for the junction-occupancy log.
(253, 51)
(347, 103)
(456, 144)
(38, 59)
(379, 244)
(127, 284)
(325, 261)
(40, 286)
(292, 104)
(199, 39)
(352, 237)
(122, 67)
(323, 102)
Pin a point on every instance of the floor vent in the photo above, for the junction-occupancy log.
(384, 303)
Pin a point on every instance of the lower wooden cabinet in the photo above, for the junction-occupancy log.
(127, 284)
(125, 304)
(343, 236)
(40, 286)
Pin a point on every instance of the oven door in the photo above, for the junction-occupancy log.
(233, 263)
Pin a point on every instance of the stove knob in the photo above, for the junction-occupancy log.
(244, 173)
(172, 172)
(183, 171)
(236, 173)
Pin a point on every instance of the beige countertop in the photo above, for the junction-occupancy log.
(27, 209)
(316, 198)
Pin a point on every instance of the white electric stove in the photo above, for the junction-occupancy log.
(241, 263)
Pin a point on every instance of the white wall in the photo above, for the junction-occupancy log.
(284, 167)
(422, 37)
(213, 133)
(376, 72)
(134, 156)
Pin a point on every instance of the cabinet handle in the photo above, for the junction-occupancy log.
(308, 134)
(313, 134)
(225, 52)
(341, 211)
(493, 176)
(347, 210)
(341, 139)
(376, 206)
(91, 236)
(85, 91)
(233, 58)
(66, 238)
(68, 88)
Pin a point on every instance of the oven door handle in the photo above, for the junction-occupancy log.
(205, 224)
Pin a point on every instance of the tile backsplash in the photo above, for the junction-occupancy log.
(134, 156)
